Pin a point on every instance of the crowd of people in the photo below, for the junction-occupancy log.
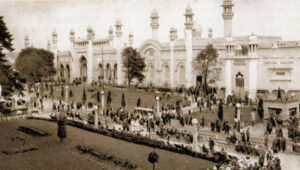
(137, 121)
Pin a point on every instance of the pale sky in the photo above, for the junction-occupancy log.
(39, 18)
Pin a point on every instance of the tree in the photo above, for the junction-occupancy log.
(10, 80)
(123, 104)
(133, 64)
(108, 101)
(220, 111)
(138, 103)
(260, 109)
(62, 92)
(153, 158)
(205, 61)
(35, 64)
(83, 96)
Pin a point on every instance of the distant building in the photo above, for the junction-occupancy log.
(248, 64)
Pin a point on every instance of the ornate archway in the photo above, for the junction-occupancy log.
(62, 73)
(151, 74)
(181, 75)
(68, 73)
(166, 75)
(83, 68)
(101, 72)
(108, 72)
(240, 85)
(115, 73)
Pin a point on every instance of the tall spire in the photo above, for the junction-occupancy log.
(26, 43)
(154, 24)
(227, 17)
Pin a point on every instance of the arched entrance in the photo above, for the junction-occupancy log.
(181, 75)
(240, 85)
(151, 74)
(108, 73)
(101, 72)
(166, 73)
(83, 69)
(68, 74)
(62, 73)
(115, 73)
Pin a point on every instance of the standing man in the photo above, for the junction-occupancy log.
(248, 135)
(253, 115)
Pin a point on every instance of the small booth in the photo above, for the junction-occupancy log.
(283, 108)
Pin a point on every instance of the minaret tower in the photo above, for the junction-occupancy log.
(111, 35)
(188, 44)
(72, 46)
(229, 46)
(54, 47)
(48, 46)
(118, 46)
(90, 37)
(252, 66)
(154, 24)
(130, 39)
(210, 33)
(227, 17)
(173, 34)
(26, 43)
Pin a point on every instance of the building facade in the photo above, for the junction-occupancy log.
(248, 64)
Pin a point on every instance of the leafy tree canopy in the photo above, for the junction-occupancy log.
(35, 64)
(205, 61)
(133, 64)
(10, 80)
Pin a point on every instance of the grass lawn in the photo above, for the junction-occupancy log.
(53, 154)
(131, 96)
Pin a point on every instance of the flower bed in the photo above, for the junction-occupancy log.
(105, 157)
(217, 157)
(247, 149)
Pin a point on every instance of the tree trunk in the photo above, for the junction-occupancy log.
(153, 166)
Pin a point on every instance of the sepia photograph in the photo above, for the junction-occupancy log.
(149, 84)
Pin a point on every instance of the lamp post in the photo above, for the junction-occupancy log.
(95, 108)
(102, 100)
(157, 106)
(195, 135)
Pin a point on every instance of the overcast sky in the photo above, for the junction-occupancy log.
(39, 18)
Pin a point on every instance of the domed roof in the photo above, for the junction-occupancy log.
(189, 10)
(110, 30)
(210, 30)
(130, 34)
(72, 31)
(89, 28)
(26, 36)
(173, 29)
(54, 33)
(197, 29)
(118, 22)
(154, 14)
(253, 38)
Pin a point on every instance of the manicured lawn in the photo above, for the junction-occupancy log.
(131, 96)
(53, 154)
